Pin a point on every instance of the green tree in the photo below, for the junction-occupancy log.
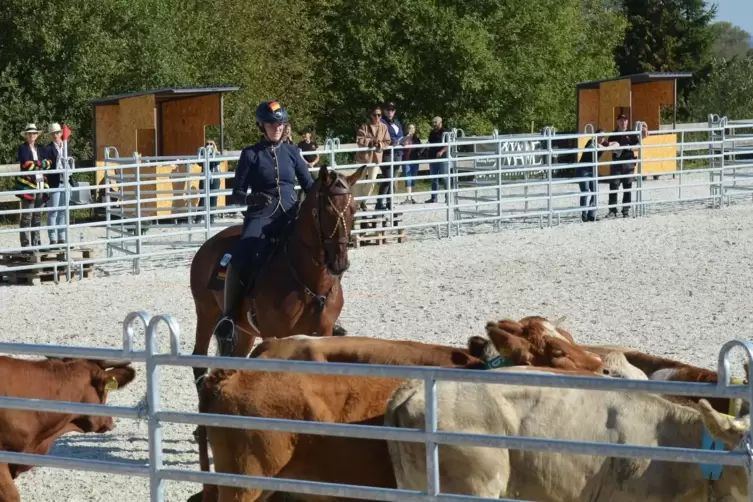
(730, 40)
(479, 64)
(666, 35)
(728, 91)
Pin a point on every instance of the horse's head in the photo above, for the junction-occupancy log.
(330, 206)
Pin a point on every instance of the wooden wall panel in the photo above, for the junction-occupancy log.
(648, 99)
(588, 108)
(612, 94)
(107, 133)
(665, 147)
(135, 113)
(183, 123)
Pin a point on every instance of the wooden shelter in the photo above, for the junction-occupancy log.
(640, 97)
(163, 122)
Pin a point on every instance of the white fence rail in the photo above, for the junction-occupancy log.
(485, 183)
(157, 416)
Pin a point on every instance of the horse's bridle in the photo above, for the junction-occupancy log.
(338, 187)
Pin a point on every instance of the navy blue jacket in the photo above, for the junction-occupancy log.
(256, 170)
(395, 137)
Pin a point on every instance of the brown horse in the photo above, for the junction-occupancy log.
(299, 289)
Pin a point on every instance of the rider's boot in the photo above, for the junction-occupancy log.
(234, 290)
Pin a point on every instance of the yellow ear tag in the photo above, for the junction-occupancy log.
(111, 384)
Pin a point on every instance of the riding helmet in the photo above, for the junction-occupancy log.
(271, 111)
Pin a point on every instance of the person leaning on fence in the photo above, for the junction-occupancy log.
(395, 128)
(57, 200)
(410, 171)
(32, 160)
(214, 183)
(437, 152)
(628, 168)
(375, 136)
(591, 171)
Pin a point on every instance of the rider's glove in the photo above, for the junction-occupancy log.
(258, 199)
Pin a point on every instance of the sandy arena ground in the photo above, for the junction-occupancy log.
(676, 283)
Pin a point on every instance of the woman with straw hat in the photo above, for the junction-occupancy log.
(31, 159)
(56, 203)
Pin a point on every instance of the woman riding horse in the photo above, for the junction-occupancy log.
(270, 168)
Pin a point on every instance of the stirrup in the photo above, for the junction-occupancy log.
(225, 328)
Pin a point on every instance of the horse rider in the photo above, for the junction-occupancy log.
(270, 168)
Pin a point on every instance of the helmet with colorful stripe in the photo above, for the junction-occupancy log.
(271, 111)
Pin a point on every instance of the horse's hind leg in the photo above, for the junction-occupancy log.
(206, 319)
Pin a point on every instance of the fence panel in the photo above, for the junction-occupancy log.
(430, 436)
(148, 210)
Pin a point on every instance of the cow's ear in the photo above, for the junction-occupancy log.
(509, 346)
(728, 429)
(512, 327)
(117, 378)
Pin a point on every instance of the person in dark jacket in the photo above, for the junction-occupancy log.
(270, 169)
(631, 141)
(395, 129)
(590, 171)
(31, 158)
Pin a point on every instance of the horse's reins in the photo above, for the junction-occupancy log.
(342, 189)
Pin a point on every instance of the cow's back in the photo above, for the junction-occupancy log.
(365, 350)
(572, 414)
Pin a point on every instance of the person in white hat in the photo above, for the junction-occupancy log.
(31, 158)
(57, 200)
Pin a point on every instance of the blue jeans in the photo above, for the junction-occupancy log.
(214, 185)
(435, 169)
(410, 171)
(56, 216)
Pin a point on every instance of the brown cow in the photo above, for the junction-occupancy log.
(661, 368)
(75, 380)
(321, 398)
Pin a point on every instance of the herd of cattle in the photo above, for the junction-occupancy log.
(530, 344)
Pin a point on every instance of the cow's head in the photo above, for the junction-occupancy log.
(538, 324)
(90, 382)
(535, 348)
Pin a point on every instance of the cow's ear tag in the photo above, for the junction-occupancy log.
(111, 385)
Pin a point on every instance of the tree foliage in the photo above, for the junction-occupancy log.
(730, 40)
(480, 64)
(728, 91)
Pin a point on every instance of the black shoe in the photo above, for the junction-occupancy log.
(625, 215)
(430, 201)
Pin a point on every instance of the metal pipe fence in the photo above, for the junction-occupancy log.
(150, 207)
(156, 416)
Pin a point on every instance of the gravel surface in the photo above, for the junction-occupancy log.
(673, 284)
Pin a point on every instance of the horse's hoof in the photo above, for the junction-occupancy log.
(339, 331)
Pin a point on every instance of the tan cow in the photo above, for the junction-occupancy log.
(599, 416)
(323, 398)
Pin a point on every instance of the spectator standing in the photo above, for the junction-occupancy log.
(394, 156)
(590, 171)
(57, 200)
(308, 148)
(287, 135)
(31, 159)
(375, 136)
(626, 154)
(214, 183)
(437, 152)
(410, 171)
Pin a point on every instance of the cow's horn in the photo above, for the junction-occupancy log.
(559, 321)
(113, 363)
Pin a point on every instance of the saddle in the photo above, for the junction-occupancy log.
(277, 240)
